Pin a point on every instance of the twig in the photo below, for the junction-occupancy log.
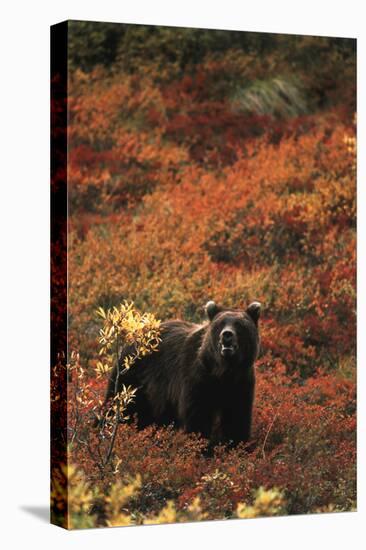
(267, 434)
(117, 417)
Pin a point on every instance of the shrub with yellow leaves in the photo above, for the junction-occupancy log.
(122, 326)
(170, 514)
(72, 498)
(83, 500)
(118, 496)
(266, 503)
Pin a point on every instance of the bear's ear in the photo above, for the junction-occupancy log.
(254, 310)
(211, 309)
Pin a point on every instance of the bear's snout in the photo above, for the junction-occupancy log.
(227, 336)
(228, 342)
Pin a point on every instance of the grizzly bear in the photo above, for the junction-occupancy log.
(201, 378)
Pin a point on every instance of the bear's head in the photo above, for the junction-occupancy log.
(233, 335)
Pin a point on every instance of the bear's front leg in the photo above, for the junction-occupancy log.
(195, 412)
(237, 414)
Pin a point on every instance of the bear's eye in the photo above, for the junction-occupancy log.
(222, 326)
(239, 326)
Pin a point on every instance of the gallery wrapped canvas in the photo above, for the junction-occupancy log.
(203, 266)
